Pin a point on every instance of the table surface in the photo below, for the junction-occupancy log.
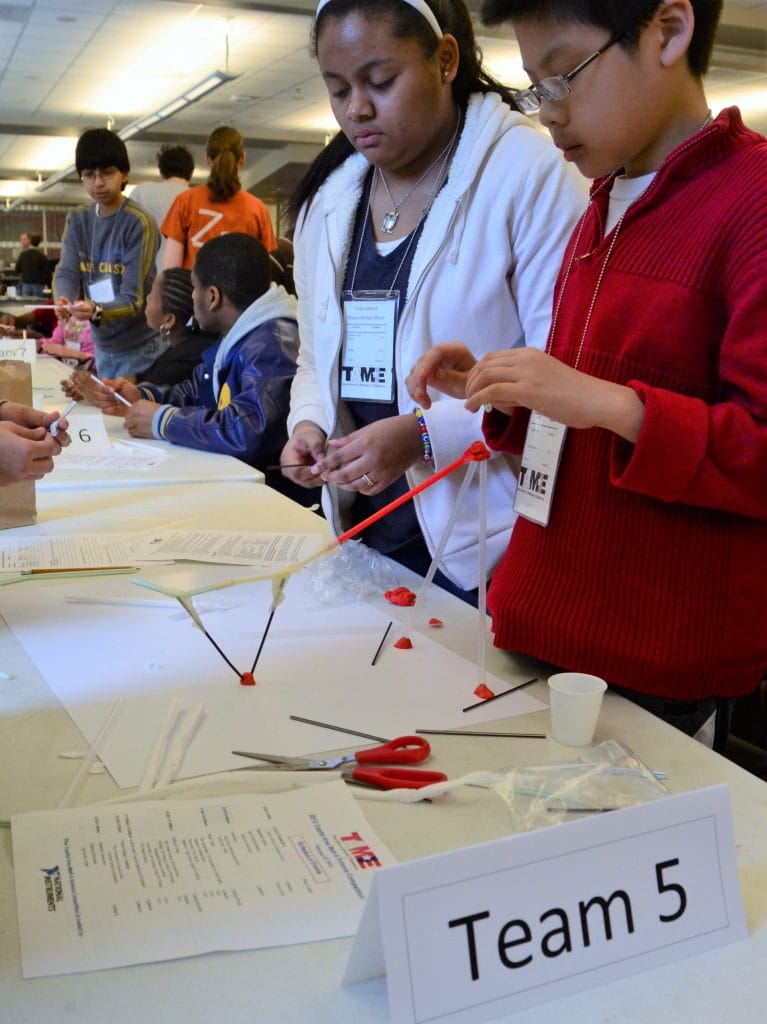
(182, 465)
(302, 983)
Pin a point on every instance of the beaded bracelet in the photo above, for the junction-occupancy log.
(425, 439)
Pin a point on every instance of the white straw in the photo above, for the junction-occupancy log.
(115, 394)
(54, 427)
(153, 763)
(457, 505)
(179, 746)
(71, 794)
(482, 602)
(130, 602)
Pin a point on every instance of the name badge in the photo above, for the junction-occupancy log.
(101, 290)
(538, 472)
(367, 353)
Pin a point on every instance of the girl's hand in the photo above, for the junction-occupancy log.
(445, 368)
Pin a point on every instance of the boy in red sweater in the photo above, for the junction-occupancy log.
(643, 426)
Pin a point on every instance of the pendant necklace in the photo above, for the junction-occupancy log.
(446, 154)
(389, 223)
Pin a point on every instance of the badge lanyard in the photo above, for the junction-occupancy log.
(545, 438)
(370, 318)
(370, 327)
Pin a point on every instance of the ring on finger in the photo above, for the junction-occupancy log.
(366, 480)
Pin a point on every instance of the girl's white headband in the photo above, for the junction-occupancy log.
(419, 5)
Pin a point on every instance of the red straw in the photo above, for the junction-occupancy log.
(476, 453)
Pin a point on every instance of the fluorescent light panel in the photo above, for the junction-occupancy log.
(186, 99)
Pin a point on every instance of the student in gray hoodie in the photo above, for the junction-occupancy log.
(107, 259)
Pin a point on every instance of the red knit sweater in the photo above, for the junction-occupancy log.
(652, 571)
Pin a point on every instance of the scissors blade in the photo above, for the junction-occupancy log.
(278, 762)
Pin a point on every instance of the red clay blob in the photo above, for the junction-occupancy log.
(484, 692)
(436, 623)
(246, 679)
(403, 644)
(401, 596)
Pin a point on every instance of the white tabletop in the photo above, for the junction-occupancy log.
(300, 984)
(180, 466)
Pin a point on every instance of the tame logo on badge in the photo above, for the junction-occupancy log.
(52, 887)
(360, 851)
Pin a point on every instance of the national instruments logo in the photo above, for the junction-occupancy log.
(52, 885)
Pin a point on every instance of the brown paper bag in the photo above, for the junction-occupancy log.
(17, 501)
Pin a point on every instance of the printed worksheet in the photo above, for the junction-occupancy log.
(69, 551)
(110, 460)
(231, 548)
(100, 887)
(83, 551)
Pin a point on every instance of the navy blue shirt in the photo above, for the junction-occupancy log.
(376, 273)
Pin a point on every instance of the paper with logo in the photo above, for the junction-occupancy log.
(105, 886)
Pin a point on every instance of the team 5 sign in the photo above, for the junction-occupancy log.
(489, 930)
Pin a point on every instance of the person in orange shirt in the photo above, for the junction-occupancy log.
(216, 208)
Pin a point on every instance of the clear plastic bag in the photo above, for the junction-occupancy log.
(348, 575)
(609, 778)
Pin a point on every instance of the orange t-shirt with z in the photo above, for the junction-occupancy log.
(195, 217)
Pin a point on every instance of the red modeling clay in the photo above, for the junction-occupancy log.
(401, 596)
(404, 643)
(436, 623)
(246, 679)
(484, 692)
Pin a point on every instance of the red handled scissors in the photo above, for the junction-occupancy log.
(404, 750)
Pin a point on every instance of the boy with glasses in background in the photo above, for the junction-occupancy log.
(641, 555)
(107, 261)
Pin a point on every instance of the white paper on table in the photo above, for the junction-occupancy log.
(87, 433)
(315, 664)
(70, 551)
(231, 548)
(135, 883)
(109, 460)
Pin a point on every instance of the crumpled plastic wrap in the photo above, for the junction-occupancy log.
(348, 575)
(609, 778)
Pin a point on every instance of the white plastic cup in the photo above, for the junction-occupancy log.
(576, 698)
(11, 291)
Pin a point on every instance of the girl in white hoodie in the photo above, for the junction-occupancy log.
(438, 212)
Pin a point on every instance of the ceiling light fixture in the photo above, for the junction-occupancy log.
(186, 99)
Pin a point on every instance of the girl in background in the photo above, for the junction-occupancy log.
(217, 207)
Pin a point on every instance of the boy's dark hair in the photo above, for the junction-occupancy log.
(626, 16)
(175, 162)
(98, 148)
(454, 19)
(237, 264)
(35, 240)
